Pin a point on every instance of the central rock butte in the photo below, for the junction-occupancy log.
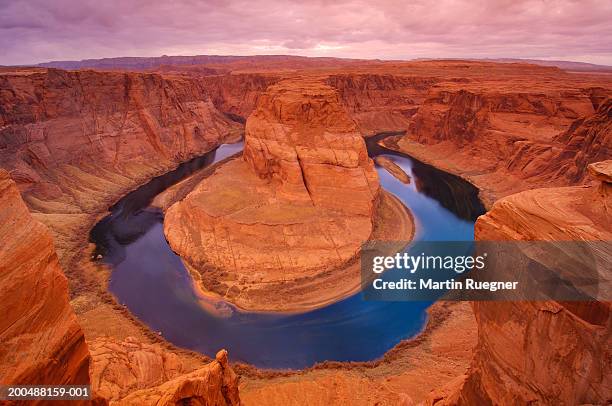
(280, 229)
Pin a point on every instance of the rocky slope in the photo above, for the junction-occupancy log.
(271, 221)
(130, 372)
(42, 342)
(74, 141)
(543, 352)
(382, 101)
(214, 384)
(506, 139)
(237, 94)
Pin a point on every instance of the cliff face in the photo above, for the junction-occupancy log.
(237, 94)
(42, 342)
(73, 141)
(587, 140)
(301, 136)
(381, 102)
(543, 352)
(265, 224)
(504, 127)
(510, 142)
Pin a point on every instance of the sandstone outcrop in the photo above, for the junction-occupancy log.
(543, 352)
(296, 208)
(381, 101)
(42, 342)
(215, 384)
(505, 141)
(131, 372)
(236, 95)
(74, 141)
(121, 367)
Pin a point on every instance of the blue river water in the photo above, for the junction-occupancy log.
(152, 282)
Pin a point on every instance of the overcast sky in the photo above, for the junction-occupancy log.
(41, 30)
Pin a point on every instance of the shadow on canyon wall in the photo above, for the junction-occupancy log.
(453, 193)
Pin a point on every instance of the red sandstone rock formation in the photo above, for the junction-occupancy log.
(215, 384)
(237, 94)
(543, 352)
(381, 102)
(130, 372)
(301, 136)
(73, 141)
(299, 205)
(41, 340)
(587, 140)
(505, 142)
(121, 367)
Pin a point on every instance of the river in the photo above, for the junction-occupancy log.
(152, 282)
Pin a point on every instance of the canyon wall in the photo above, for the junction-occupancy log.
(535, 138)
(504, 127)
(131, 373)
(543, 352)
(236, 94)
(42, 342)
(381, 102)
(505, 143)
(74, 141)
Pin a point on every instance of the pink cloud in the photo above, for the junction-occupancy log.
(41, 30)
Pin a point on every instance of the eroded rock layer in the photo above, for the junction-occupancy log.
(215, 384)
(543, 352)
(131, 372)
(73, 141)
(508, 137)
(42, 342)
(298, 205)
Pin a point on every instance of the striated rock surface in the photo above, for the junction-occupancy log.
(215, 384)
(506, 142)
(121, 367)
(236, 95)
(382, 101)
(301, 136)
(297, 206)
(542, 352)
(74, 141)
(42, 342)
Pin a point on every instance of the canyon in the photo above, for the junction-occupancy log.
(73, 142)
